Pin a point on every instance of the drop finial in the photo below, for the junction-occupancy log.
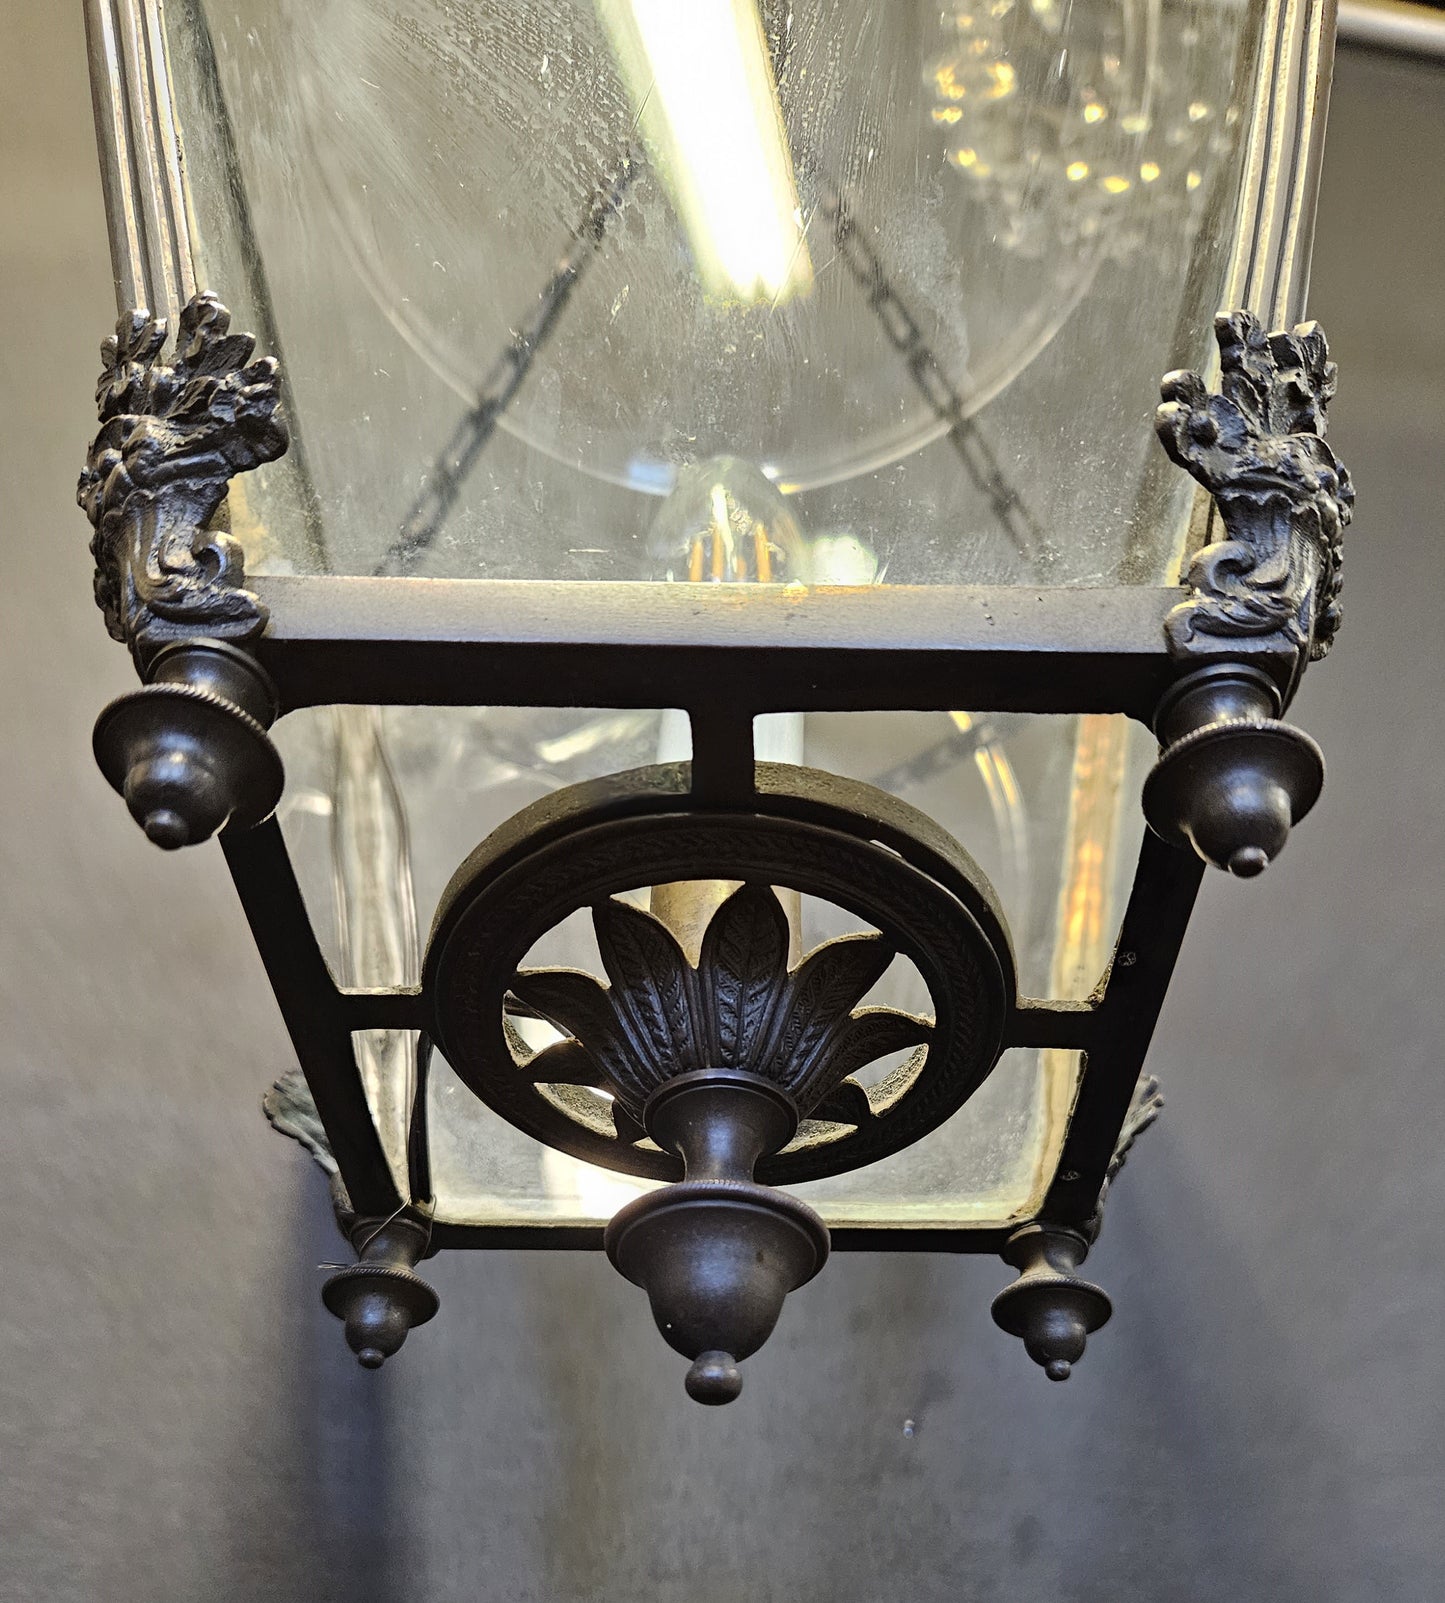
(381, 1298)
(717, 1253)
(714, 1379)
(1050, 1308)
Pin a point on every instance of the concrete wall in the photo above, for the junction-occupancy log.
(1264, 1419)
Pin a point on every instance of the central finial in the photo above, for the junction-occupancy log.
(717, 1063)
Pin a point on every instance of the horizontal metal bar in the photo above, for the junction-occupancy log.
(445, 642)
(383, 1009)
(1401, 29)
(984, 1238)
(1069, 1025)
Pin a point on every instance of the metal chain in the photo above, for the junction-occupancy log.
(444, 483)
(954, 747)
(903, 332)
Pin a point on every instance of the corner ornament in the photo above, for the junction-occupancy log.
(1257, 446)
(171, 438)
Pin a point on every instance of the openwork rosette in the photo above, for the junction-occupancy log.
(739, 1008)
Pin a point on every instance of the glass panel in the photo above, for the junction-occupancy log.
(819, 292)
(345, 822)
(1046, 806)
(982, 1167)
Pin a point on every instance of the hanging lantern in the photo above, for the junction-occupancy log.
(674, 604)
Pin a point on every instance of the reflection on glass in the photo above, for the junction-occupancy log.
(375, 910)
(919, 266)
(702, 81)
(1123, 143)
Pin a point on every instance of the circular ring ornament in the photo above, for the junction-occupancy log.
(835, 839)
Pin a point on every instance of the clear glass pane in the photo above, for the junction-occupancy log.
(820, 292)
(1045, 805)
(536, 328)
(984, 1166)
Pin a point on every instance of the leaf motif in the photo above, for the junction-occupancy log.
(576, 1003)
(649, 988)
(844, 1104)
(565, 1063)
(629, 1130)
(819, 997)
(291, 1108)
(743, 964)
(872, 1034)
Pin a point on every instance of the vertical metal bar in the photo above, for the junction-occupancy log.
(1155, 921)
(170, 172)
(1317, 75)
(162, 295)
(418, 1141)
(1270, 271)
(722, 755)
(141, 161)
(316, 1015)
(162, 254)
(117, 167)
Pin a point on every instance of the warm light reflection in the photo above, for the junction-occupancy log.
(584, 1191)
(1086, 915)
(703, 80)
(1085, 912)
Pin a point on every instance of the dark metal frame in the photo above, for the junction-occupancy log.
(191, 755)
(221, 662)
(409, 642)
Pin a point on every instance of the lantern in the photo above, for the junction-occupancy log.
(685, 527)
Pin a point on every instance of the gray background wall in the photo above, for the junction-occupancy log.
(1265, 1417)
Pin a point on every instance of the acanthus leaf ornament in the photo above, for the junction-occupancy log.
(171, 438)
(290, 1109)
(717, 1063)
(1145, 1106)
(1257, 446)
(741, 1008)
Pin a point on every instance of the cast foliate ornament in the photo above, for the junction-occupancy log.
(741, 1008)
(1145, 1106)
(171, 438)
(290, 1109)
(1257, 446)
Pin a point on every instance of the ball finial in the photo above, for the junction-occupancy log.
(1248, 861)
(714, 1379)
(167, 829)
